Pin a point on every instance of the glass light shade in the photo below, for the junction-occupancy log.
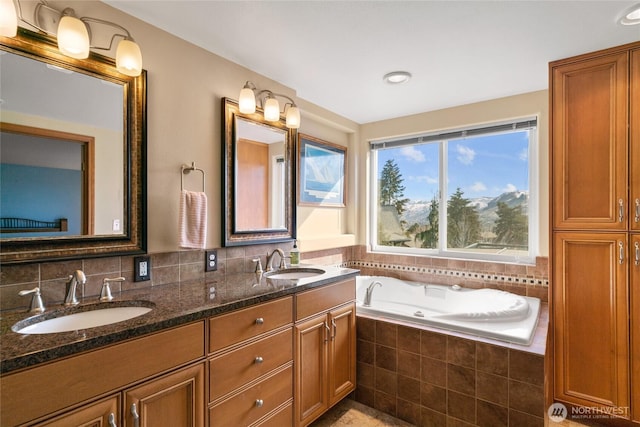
(73, 37)
(632, 17)
(8, 19)
(247, 101)
(272, 110)
(129, 58)
(293, 117)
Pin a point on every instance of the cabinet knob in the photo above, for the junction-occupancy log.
(259, 403)
(259, 321)
(259, 359)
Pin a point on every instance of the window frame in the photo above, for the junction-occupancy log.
(442, 251)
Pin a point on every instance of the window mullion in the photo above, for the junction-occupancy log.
(442, 211)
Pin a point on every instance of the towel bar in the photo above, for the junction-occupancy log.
(187, 169)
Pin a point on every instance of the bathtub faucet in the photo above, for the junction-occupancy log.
(369, 292)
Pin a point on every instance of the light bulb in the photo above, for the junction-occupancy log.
(129, 58)
(73, 37)
(272, 110)
(293, 117)
(8, 19)
(247, 101)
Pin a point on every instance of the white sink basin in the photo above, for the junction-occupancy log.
(295, 273)
(80, 320)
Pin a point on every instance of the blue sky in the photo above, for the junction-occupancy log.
(481, 166)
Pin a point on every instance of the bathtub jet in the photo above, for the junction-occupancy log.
(489, 313)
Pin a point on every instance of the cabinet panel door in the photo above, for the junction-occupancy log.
(311, 338)
(635, 326)
(589, 143)
(175, 400)
(634, 134)
(342, 352)
(98, 414)
(591, 329)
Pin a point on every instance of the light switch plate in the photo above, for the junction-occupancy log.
(142, 267)
(211, 260)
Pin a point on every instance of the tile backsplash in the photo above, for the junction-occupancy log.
(182, 266)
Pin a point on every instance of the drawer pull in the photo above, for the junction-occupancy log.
(259, 321)
(335, 329)
(637, 261)
(259, 403)
(621, 254)
(328, 332)
(620, 210)
(112, 420)
(134, 414)
(259, 359)
(637, 215)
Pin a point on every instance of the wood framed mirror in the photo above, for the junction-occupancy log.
(73, 154)
(257, 178)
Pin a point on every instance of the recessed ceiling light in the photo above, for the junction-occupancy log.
(631, 16)
(397, 77)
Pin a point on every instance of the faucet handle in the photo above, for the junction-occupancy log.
(37, 305)
(258, 265)
(105, 293)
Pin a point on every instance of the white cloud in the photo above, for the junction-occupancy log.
(510, 188)
(424, 178)
(412, 154)
(524, 155)
(478, 187)
(465, 154)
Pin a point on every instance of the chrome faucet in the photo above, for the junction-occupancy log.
(369, 292)
(283, 264)
(105, 292)
(77, 277)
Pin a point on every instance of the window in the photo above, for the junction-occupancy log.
(466, 193)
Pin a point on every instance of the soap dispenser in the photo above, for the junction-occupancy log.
(295, 254)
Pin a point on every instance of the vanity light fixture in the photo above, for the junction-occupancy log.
(270, 105)
(631, 16)
(397, 77)
(73, 33)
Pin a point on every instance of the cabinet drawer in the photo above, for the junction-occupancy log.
(231, 370)
(283, 417)
(243, 408)
(78, 378)
(324, 298)
(240, 325)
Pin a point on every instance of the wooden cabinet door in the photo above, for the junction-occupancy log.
(589, 113)
(634, 135)
(635, 326)
(590, 308)
(310, 397)
(103, 413)
(173, 400)
(342, 352)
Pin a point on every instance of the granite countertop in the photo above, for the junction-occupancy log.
(175, 305)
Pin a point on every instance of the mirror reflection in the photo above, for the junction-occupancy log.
(260, 176)
(258, 189)
(61, 143)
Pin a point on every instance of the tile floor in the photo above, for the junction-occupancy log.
(349, 413)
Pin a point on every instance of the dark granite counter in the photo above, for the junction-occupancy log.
(175, 305)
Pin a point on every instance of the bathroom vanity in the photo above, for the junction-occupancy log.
(222, 354)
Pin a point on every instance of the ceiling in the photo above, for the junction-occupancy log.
(334, 53)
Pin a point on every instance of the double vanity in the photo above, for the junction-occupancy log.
(254, 350)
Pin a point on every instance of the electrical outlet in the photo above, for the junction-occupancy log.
(142, 267)
(211, 260)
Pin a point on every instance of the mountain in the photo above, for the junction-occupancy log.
(418, 210)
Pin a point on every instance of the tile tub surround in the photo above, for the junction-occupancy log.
(435, 379)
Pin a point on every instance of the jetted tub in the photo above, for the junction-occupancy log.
(489, 313)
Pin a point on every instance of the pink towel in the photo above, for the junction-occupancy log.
(193, 219)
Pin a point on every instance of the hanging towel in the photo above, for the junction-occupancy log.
(193, 219)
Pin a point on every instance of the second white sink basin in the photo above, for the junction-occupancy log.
(80, 320)
(295, 273)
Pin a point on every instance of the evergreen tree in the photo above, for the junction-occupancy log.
(511, 225)
(429, 236)
(391, 188)
(463, 222)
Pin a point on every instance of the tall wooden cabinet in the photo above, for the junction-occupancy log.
(595, 208)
